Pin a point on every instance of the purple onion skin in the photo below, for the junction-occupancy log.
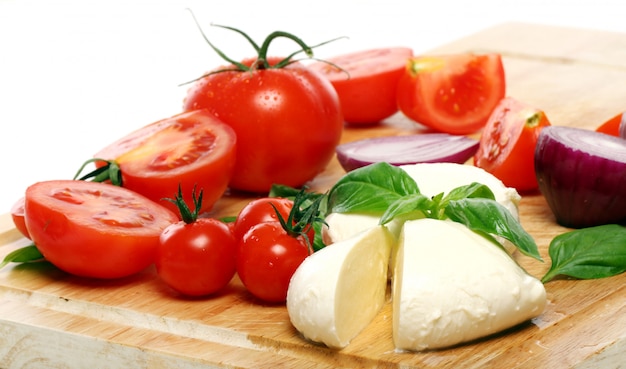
(584, 183)
(411, 149)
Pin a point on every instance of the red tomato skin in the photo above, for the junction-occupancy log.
(154, 159)
(92, 229)
(452, 93)
(267, 257)
(508, 141)
(17, 215)
(288, 122)
(260, 211)
(197, 259)
(611, 126)
(367, 82)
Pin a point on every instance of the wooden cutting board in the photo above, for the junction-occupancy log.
(53, 320)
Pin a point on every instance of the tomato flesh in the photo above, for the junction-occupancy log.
(17, 215)
(267, 257)
(197, 259)
(287, 121)
(190, 150)
(94, 229)
(366, 82)
(508, 141)
(453, 93)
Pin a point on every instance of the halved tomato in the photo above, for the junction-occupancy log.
(508, 141)
(192, 149)
(612, 126)
(17, 215)
(366, 82)
(94, 229)
(452, 93)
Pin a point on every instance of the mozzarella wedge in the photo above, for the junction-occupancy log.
(337, 291)
(432, 179)
(451, 286)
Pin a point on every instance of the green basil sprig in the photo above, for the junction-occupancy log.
(588, 253)
(391, 192)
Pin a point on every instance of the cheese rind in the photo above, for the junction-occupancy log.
(337, 291)
(451, 286)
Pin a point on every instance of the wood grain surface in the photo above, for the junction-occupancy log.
(49, 319)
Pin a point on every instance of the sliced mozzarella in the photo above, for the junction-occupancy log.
(452, 286)
(341, 226)
(337, 291)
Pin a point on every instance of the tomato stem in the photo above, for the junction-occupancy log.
(111, 172)
(261, 51)
(186, 214)
(302, 216)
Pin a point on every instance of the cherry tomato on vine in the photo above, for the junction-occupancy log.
(452, 93)
(196, 256)
(93, 229)
(366, 82)
(260, 211)
(612, 126)
(17, 215)
(267, 257)
(287, 118)
(508, 141)
(188, 149)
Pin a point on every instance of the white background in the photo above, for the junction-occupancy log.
(75, 75)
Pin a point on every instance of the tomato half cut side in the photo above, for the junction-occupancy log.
(93, 229)
(366, 82)
(192, 149)
(452, 93)
(508, 141)
(17, 215)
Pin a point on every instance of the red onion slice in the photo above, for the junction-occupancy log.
(582, 175)
(411, 149)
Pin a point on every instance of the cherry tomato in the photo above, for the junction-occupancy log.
(267, 257)
(507, 144)
(94, 229)
(454, 93)
(260, 211)
(366, 82)
(198, 258)
(189, 149)
(611, 126)
(288, 122)
(17, 214)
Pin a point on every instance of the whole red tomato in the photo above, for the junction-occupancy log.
(261, 210)
(94, 229)
(267, 257)
(287, 118)
(452, 93)
(198, 258)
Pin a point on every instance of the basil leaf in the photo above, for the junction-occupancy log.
(473, 190)
(370, 189)
(489, 216)
(25, 254)
(588, 253)
(417, 203)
